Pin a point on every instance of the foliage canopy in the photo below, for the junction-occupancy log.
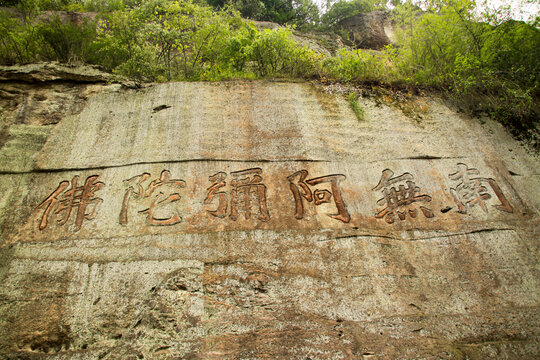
(483, 60)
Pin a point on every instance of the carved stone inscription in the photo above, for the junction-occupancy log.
(247, 195)
(300, 188)
(243, 194)
(398, 200)
(473, 191)
(80, 198)
(160, 192)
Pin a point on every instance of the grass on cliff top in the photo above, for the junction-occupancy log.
(356, 108)
(484, 64)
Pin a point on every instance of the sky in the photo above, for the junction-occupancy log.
(519, 10)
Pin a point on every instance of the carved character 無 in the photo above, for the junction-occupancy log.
(397, 200)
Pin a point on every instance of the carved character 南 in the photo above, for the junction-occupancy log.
(472, 191)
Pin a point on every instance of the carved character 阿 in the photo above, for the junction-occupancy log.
(300, 188)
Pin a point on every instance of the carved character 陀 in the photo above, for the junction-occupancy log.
(159, 192)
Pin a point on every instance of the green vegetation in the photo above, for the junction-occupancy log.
(485, 62)
(156, 40)
(341, 10)
(290, 12)
(356, 108)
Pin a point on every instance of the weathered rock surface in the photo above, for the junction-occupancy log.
(319, 43)
(372, 30)
(248, 220)
(51, 71)
(35, 97)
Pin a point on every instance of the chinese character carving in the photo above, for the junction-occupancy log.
(473, 191)
(398, 200)
(247, 195)
(218, 181)
(159, 193)
(300, 188)
(80, 198)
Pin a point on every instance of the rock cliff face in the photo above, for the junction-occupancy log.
(246, 220)
(371, 30)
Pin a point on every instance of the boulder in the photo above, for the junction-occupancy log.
(371, 30)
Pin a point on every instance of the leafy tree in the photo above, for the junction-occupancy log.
(36, 4)
(120, 38)
(18, 39)
(344, 9)
(297, 12)
(485, 62)
(66, 41)
(306, 13)
(163, 40)
(250, 9)
(433, 39)
(276, 54)
(200, 34)
(513, 49)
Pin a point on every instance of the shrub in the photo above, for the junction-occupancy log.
(276, 54)
(361, 65)
(18, 40)
(66, 41)
(356, 108)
